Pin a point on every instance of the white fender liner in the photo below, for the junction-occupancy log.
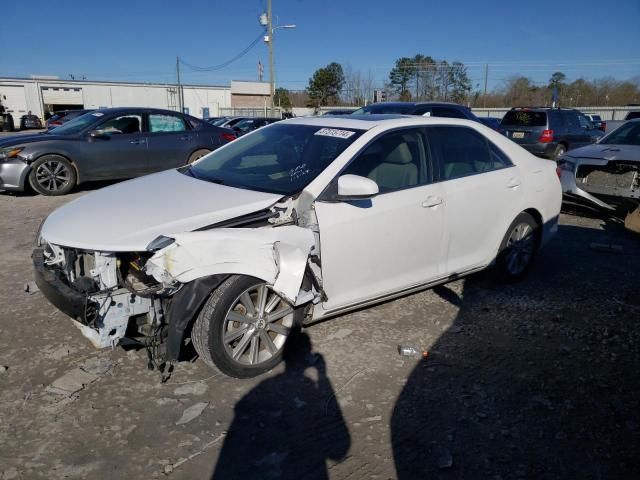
(277, 255)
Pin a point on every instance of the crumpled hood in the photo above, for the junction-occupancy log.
(129, 215)
(607, 152)
(25, 139)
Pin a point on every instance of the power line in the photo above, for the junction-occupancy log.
(224, 64)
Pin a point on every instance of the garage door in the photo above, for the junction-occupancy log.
(15, 103)
(61, 96)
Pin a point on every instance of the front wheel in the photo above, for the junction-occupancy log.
(518, 248)
(559, 152)
(243, 327)
(52, 175)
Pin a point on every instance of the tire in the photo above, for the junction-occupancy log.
(52, 175)
(198, 154)
(559, 151)
(238, 343)
(518, 248)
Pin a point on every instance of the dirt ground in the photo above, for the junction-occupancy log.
(538, 380)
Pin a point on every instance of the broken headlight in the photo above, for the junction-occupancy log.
(159, 243)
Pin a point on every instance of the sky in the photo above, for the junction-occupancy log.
(139, 40)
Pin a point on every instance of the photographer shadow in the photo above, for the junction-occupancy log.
(289, 425)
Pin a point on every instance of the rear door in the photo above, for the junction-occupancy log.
(120, 151)
(480, 185)
(171, 140)
(578, 136)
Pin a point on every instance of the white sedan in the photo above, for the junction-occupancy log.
(304, 219)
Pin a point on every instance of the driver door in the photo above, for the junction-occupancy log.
(121, 150)
(372, 248)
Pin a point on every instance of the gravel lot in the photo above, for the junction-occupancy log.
(535, 380)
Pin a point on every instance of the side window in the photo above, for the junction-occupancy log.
(584, 122)
(159, 123)
(572, 120)
(447, 112)
(461, 151)
(394, 161)
(125, 124)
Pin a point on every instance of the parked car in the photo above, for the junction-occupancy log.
(597, 121)
(427, 109)
(632, 115)
(548, 132)
(226, 122)
(247, 125)
(297, 221)
(491, 122)
(606, 174)
(60, 118)
(30, 121)
(111, 143)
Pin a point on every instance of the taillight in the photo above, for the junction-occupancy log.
(559, 172)
(546, 136)
(228, 137)
(603, 126)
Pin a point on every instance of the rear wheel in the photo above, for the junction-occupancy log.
(243, 327)
(52, 175)
(560, 150)
(198, 154)
(518, 248)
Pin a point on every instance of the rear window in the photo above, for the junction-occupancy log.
(524, 118)
(632, 115)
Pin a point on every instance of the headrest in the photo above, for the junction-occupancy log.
(400, 155)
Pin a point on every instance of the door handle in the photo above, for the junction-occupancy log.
(138, 141)
(185, 137)
(432, 201)
(513, 183)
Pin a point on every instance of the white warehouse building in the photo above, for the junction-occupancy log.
(45, 95)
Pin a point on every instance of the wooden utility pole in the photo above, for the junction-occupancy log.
(271, 74)
(486, 76)
(179, 89)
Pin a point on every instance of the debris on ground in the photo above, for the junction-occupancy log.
(407, 351)
(71, 382)
(3, 368)
(191, 389)
(31, 287)
(192, 412)
(605, 247)
(97, 365)
(632, 221)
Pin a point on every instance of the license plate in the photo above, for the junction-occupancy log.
(517, 135)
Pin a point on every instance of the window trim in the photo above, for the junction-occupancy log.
(438, 161)
(98, 126)
(330, 191)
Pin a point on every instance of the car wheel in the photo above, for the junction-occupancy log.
(560, 150)
(243, 327)
(52, 175)
(518, 248)
(198, 154)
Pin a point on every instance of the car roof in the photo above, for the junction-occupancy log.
(367, 122)
(129, 109)
(453, 104)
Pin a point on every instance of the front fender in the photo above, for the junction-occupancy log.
(276, 255)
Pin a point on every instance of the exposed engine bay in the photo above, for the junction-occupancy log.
(120, 296)
(616, 178)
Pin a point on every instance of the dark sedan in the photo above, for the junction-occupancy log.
(111, 143)
(30, 121)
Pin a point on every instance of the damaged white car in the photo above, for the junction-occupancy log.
(301, 220)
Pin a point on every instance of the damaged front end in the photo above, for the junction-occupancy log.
(153, 296)
(608, 184)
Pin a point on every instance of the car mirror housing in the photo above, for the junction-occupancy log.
(355, 187)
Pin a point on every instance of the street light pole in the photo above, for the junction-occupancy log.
(271, 73)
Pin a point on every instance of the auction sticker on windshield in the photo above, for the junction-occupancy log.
(334, 132)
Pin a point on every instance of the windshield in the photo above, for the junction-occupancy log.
(382, 109)
(78, 124)
(524, 118)
(627, 134)
(279, 159)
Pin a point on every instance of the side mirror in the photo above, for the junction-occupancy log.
(355, 187)
(98, 134)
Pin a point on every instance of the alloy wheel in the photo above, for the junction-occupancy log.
(256, 326)
(53, 175)
(520, 248)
